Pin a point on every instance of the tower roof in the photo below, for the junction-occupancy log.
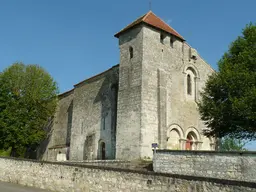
(151, 19)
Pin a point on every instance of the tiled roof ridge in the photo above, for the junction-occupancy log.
(146, 15)
(153, 20)
(164, 22)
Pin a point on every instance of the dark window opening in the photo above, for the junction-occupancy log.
(131, 52)
(189, 84)
(103, 151)
(171, 42)
(161, 38)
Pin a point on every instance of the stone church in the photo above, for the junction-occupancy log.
(150, 97)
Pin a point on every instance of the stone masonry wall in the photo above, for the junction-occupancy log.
(59, 135)
(61, 177)
(128, 135)
(165, 102)
(94, 117)
(225, 165)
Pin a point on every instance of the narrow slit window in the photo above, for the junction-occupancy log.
(189, 84)
(171, 42)
(131, 52)
(161, 38)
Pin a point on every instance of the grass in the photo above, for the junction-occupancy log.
(5, 153)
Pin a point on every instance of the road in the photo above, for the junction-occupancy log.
(9, 187)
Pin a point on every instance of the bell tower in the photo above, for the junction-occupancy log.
(142, 96)
(128, 137)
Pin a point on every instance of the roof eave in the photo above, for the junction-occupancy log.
(117, 35)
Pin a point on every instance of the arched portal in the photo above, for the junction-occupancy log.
(191, 141)
(174, 135)
(173, 141)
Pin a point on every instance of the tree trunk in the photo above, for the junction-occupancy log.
(13, 152)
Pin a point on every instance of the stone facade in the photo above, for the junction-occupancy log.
(61, 177)
(222, 165)
(150, 97)
(85, 119)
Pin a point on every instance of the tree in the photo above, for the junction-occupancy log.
(27, 101)
(228, 104)
(231, 144)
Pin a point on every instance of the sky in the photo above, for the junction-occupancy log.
(74, 40)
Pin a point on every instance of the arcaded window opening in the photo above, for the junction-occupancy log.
(189, 85)
(131, 52)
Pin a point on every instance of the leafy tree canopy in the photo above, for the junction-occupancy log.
(231, 144)
(27, 100)
(228, 104)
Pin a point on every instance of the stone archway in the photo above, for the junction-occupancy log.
(173, 141)
(193, 139)
(174, 136)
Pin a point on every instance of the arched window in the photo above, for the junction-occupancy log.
(103, 151)
(191, 78)
(131, 52)
(189, 85)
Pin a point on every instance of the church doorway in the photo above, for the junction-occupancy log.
(103, 150)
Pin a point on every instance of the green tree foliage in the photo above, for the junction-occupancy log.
(27, 101)
(228, 104)
(231, 144)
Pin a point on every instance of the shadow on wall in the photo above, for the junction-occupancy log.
(69, 123)
(106, 143)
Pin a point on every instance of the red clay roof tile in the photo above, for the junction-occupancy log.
(151, 19)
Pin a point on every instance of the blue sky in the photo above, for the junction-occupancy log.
(74, 40)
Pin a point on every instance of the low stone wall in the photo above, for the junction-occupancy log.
(227, 165)
(66, 177)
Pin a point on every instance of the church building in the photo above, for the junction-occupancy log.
(150, 97)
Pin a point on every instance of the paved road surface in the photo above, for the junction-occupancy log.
(9, 187)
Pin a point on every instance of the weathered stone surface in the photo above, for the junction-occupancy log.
(86, 118)
(94, 117)
(61, 177)
(225, 165)
(60, 128)
(128, 136)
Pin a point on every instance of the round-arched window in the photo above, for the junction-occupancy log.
(189, 85)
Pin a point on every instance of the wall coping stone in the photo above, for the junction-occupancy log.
(196, 152)
(150, 173)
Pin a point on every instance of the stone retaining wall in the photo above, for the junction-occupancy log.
(227, 165)
(66, 177)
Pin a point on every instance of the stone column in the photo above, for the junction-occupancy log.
(182, 144)
(162, 111)
(198, 145)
